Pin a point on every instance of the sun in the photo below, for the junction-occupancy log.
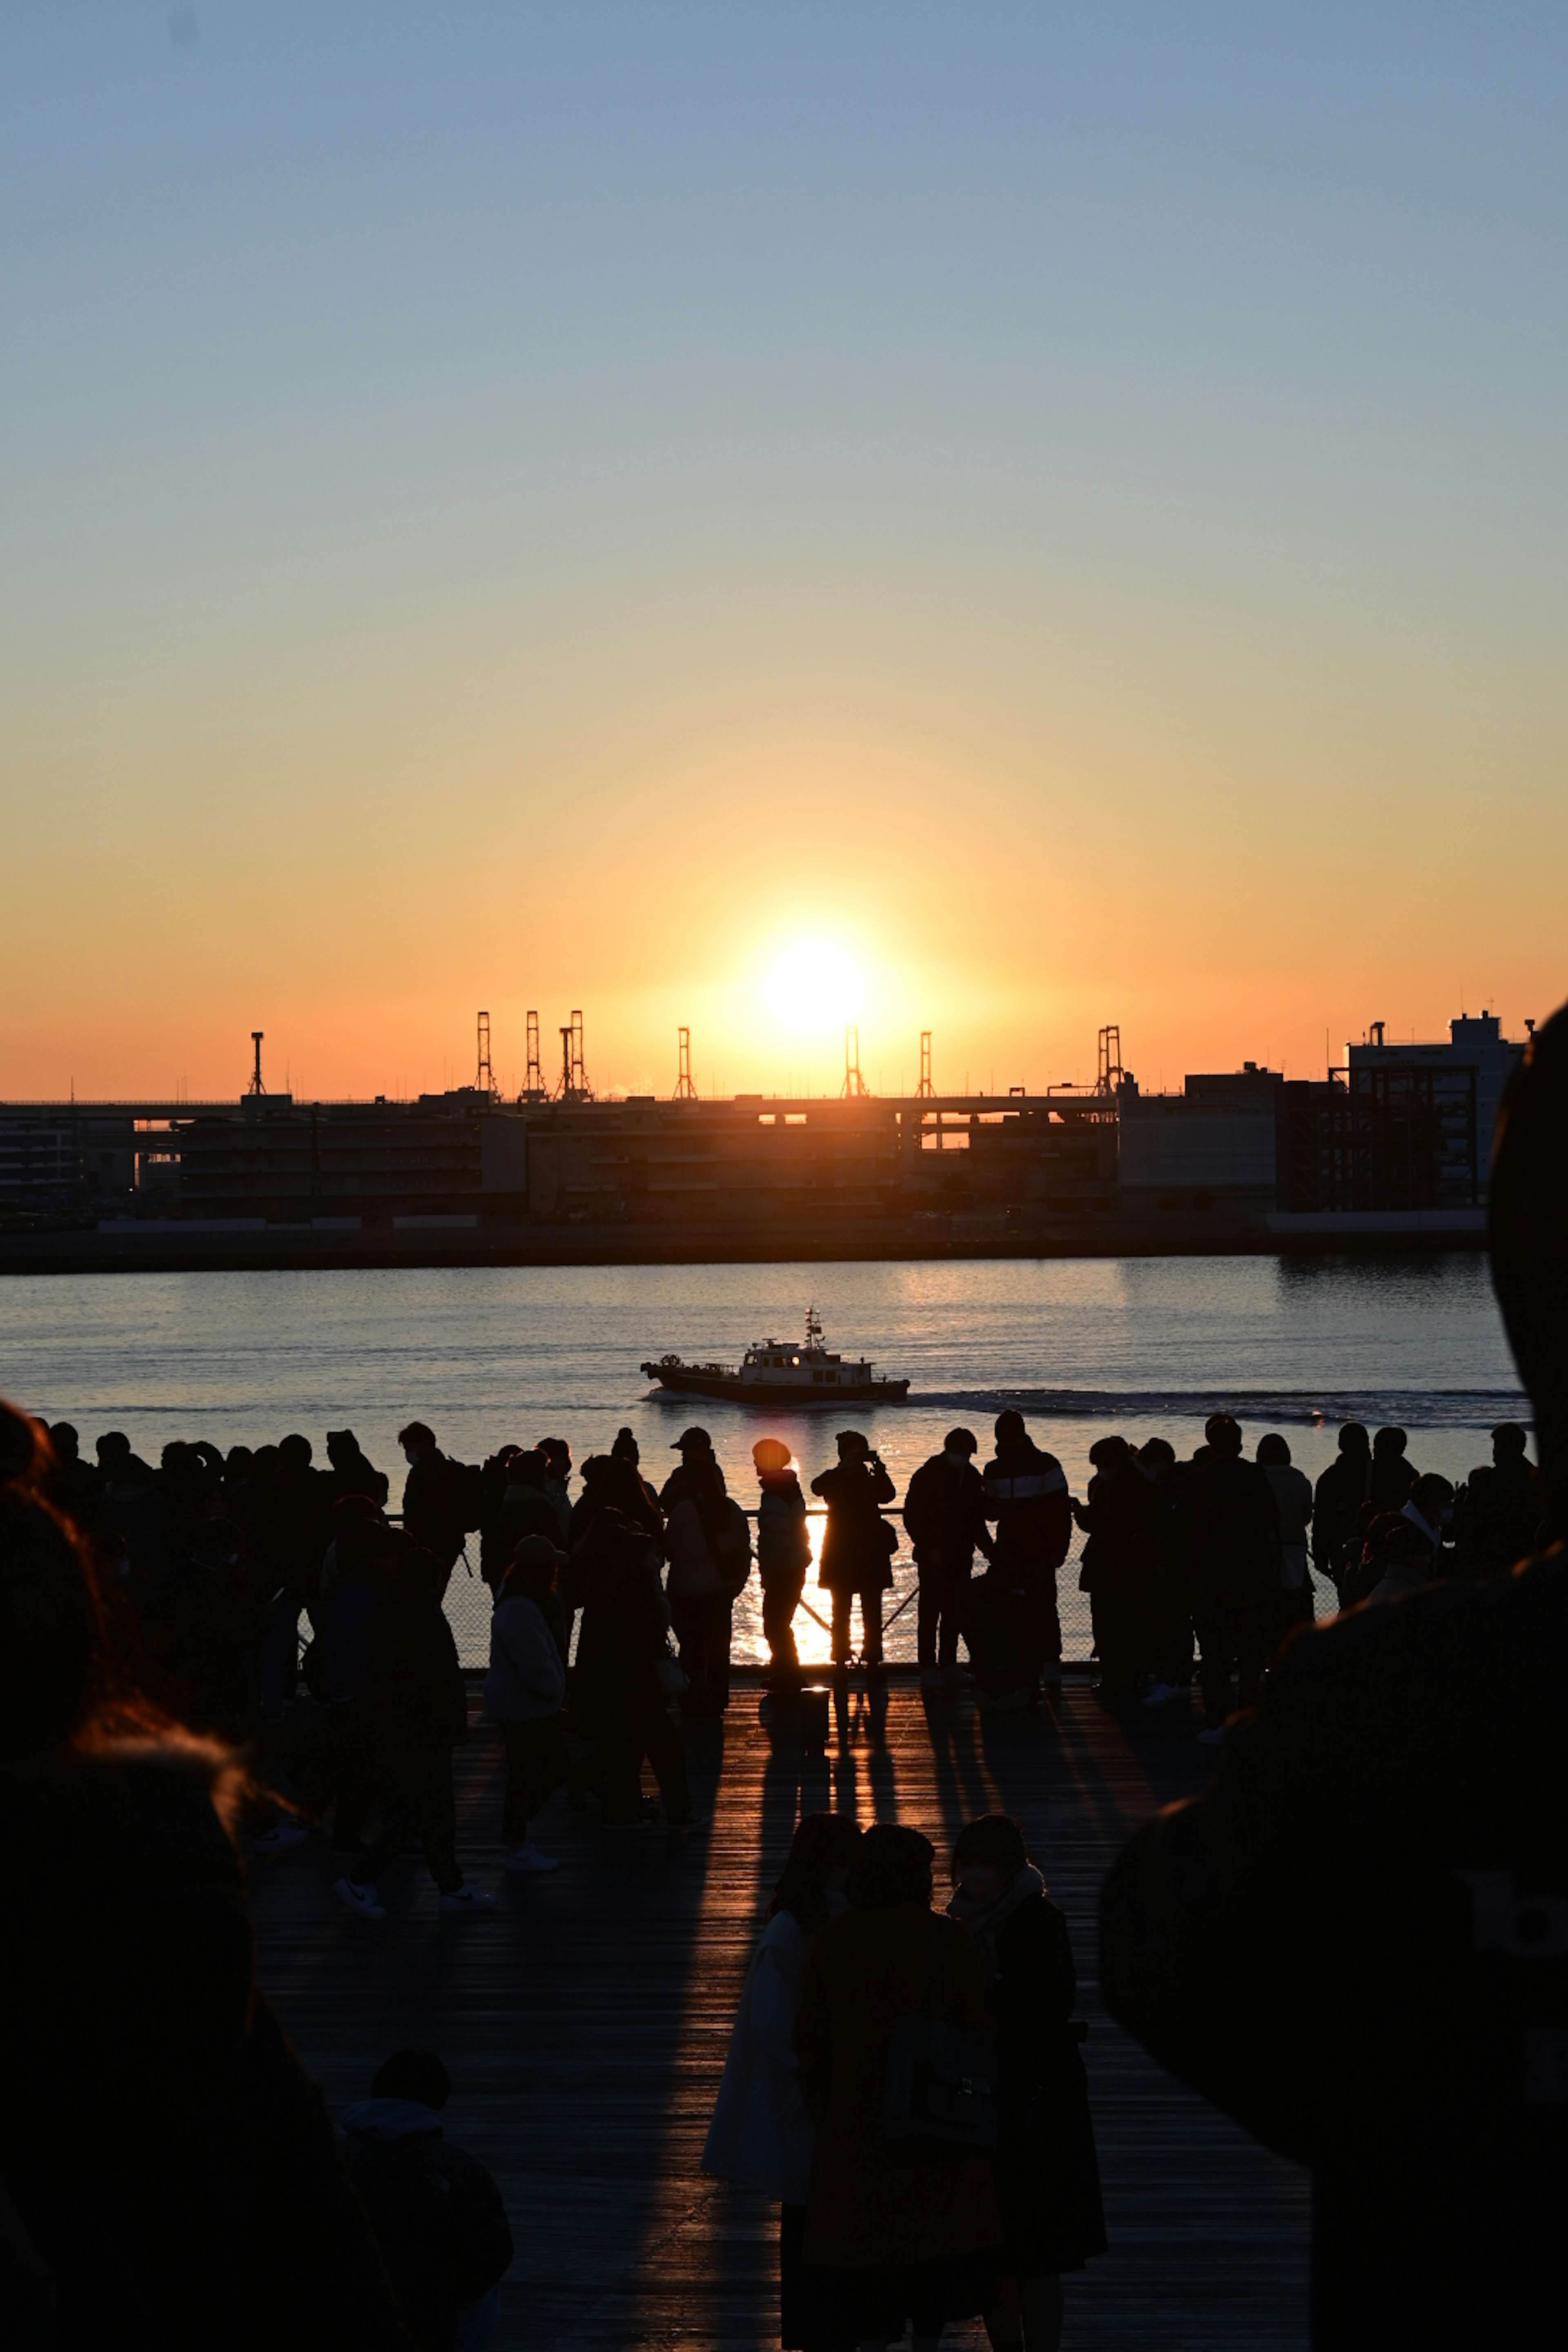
(814, 987)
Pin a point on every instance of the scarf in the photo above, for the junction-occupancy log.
(983, 1919)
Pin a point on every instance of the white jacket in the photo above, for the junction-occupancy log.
(760, 2135)
(527, 1681)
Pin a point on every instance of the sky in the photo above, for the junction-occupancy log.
(993, 519)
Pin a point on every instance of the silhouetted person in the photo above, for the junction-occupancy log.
(170, 2162)
(1293, 1500)
(1392, 1472)
(1394, 1818)
(525, 1510)
(1227, 1528)
(436, 2213)
(420, 1711)
(695, 1448)
(1047, 2171)
(857, 1547)
(558, 1483)
(288, 1524)
(707, 1544)
(432, 1506)
(353, 1472)
(1026, 1494)
(130, 1501)
(761, 2136)
(525, 1692)
(112, 1447)
(621, 1691)
(945, 1520)
(783, 1555)
(1121, 1519)
(204, 1629)
(1171, 1627)
(1338, 1498)
(1497, 1522)
(905, 2230)
(1430, 1509)
(347, 1753)
(73, 1484)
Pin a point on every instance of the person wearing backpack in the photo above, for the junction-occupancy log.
(708, 1546)
(1047, 2171)
(435, 1497)
(436, 2212)
(903, 2229)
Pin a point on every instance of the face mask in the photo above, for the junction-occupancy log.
(409, 1455)
(959, 1460)
(835, 1902)
(1446, 1517)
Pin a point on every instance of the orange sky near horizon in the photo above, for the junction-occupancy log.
(566, 509)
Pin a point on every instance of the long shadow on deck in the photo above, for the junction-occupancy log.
(585, 2027)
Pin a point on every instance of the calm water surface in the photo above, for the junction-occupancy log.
(486, 1355)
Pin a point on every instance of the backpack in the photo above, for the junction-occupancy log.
(465, 1497)
(940, 2089)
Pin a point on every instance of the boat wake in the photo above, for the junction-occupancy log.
(1424, 1408)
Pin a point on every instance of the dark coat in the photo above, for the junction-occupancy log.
(416, 1691)
(858, 1545)
(626, 1626)
(158, 2135)
(436, 2213)
(618, 1485)
(1499, 1518)
(202, 1628)
(1337, 1499)
(944, 1517)
(1227, 1521)
(1048, 2174)
(431, 1512)
(1391, 1812)
(522, 1511)
(872, 2200)
(293, 1528)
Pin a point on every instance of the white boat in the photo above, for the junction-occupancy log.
(776, 1371)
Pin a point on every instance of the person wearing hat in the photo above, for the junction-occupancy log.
(944, 1518)
(525, 1691)
(858, 1548)
(783, 1555)
(696, 1471)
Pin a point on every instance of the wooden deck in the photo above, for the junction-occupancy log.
(584, 2026)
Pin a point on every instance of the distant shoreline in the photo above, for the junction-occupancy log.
(162, 1247)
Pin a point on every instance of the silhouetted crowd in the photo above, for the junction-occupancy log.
(1355, 1940)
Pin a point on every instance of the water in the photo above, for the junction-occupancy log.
(485, 1355)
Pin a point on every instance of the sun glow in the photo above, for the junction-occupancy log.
(814, 987)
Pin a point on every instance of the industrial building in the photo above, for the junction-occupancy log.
(1393, 1141)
